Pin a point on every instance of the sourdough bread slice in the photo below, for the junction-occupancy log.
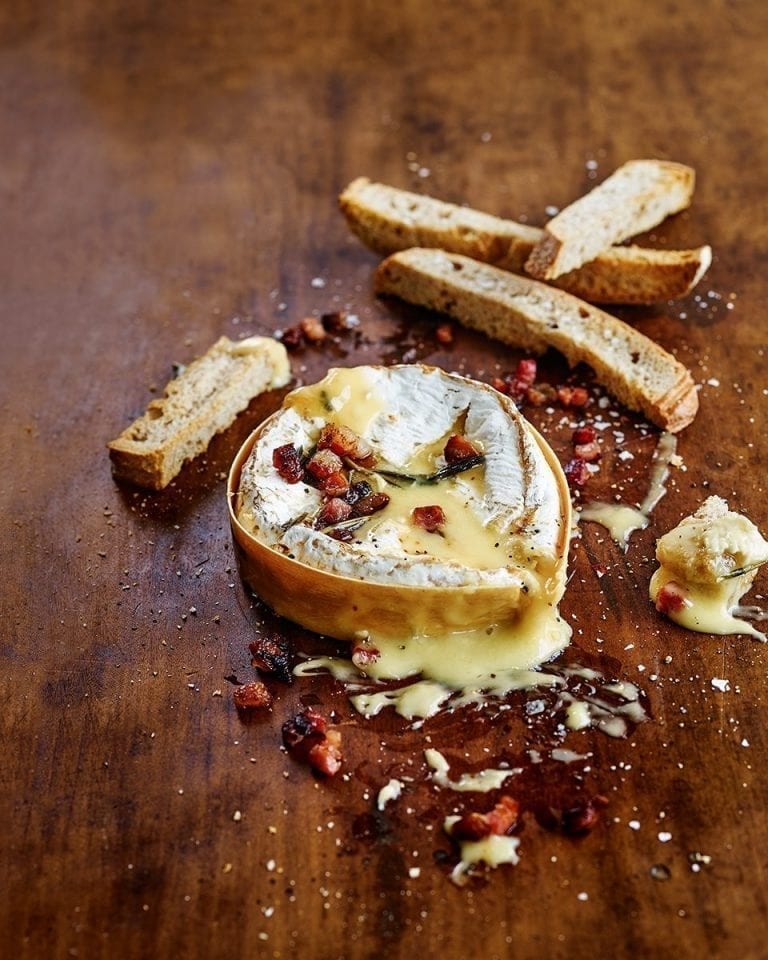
(387, 219)
(202, 401)
(639, 195)
(534, 316)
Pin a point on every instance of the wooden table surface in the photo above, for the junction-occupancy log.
(168, 175)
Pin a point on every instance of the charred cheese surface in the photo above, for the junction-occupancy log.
(493, 564)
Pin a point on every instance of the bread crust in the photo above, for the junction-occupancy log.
(532, 315)
(202, 401)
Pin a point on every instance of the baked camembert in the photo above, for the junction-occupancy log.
(412, 512)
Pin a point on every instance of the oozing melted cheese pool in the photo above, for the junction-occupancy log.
(461, 603)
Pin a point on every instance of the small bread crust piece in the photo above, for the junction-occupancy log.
(388, 219)
(535, 316)
(202, 401)
(638, 196)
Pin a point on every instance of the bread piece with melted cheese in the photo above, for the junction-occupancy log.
(706, 564)
(202, 401)
(387, 219)
(712, 544)
(532, 315)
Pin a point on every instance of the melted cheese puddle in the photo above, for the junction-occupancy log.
(592, 710)
(463, 535)
(346, 396)
(421, 699)
(621, 520)
(709, 608)
(417, 701)
(478, 657)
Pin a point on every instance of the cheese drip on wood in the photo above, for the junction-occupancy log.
(621, 520)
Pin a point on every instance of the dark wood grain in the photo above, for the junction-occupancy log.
(168, 175)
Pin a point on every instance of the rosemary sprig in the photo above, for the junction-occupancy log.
(740, 571)
(421, 479)
(352, 524)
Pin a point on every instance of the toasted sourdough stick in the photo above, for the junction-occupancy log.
(635, 198)
(387, 219)
(532, 315)
(637, 275)
(203, 400)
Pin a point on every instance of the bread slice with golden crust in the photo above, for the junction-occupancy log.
(636, 197)
(532, 315)
(637, 275)
(388, 219)
(202, 401)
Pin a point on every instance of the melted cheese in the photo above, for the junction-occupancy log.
(708, 607)
(476, 658)
(482, 782)
(423, 698)
(712, 556)
(609, 707)
(621, 520)
(499, 557)
(463, 534)
(347, 395)
(389, 792)
(492, 851)
(414, 702)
